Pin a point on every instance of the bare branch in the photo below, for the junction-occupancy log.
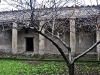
(54, 43)
(88, 50)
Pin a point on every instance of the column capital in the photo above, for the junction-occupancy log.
(14, 25)
(41, 23)
(72, 18)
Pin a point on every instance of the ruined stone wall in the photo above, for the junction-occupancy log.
(51, 49)
(5, 41)
(84, 42)
(22, 41)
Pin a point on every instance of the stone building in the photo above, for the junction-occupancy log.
(25, 40)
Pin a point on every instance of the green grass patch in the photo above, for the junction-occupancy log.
(12, 67)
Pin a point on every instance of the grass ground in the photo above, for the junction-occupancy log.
(13, 67)
(10, 67)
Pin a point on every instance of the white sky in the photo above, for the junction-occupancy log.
(4, 6)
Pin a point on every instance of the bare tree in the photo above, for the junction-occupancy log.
(56, 22)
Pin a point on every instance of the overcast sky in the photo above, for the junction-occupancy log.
(4, 6)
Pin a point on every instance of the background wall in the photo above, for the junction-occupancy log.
(5, 41)
(22, 40)
(51, 49)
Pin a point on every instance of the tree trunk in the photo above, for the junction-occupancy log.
(71, 69)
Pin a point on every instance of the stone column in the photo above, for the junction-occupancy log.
(98, 36)
(72, 36)
(41, 41)
(14, 38)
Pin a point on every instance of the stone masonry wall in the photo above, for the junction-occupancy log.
(22, 41)
(5, 41)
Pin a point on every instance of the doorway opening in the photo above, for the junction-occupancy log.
(29, 44)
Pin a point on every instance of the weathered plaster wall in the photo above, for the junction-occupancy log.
(84, 42)
(22, 41)
(51, 49)
(5, 41)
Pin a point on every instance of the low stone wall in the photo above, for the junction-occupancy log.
(32, 55)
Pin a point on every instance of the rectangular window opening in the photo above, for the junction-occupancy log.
(26, 30)
(29, 44)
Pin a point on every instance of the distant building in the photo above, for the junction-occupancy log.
(24, 40)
